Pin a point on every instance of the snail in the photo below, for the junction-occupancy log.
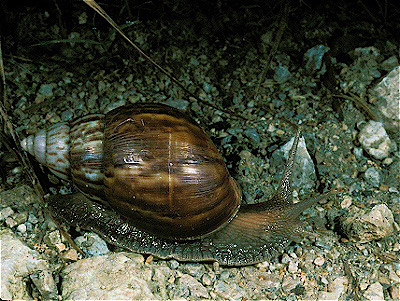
(151, 180)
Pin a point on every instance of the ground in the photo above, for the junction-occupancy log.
(262, 67)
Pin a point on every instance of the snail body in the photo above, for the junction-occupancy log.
(152, 181)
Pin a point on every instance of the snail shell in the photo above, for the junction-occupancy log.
(152, 181)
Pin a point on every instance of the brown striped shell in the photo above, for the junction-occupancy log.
(154, 183)
(151, 163)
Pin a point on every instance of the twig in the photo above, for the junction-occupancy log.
(8, 128)
(102, 13)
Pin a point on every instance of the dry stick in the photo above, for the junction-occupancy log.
(102, 13)
(8, 127)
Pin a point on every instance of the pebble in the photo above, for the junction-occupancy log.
(173, 264)
(206, 279)
(5, 213)
(373, 225)
(346, 202)
(21, 228)
(394, 291)
(197, 290)
(32, 218)
(313, 58)
(289, 283)
(373, 176)
(20, 217)
(252, 134)
(304, 172)
(375, 140)
(293, 266)
(228, 290)
(335, 289)
(180, 104)
(282, 74)
(194, 269)
(374, 292)
(92, 244)
(53, 238)
(319, 261)
(388, 90)
(10, 222)
(67, 115)
(46, 90)
(70, 255)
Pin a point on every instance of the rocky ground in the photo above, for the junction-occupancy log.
(334, 69)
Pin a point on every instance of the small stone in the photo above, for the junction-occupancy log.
(387, 161)
(289, 283)
(293, 266)
(304, 172)
(10, 222)
(225, 275)
(228, 290)
(29, 226)
(60, 247)
(388, 91)
(282, 74)
(92, 244)
(373, 176)
(394, 291)
(194, 269)
(173, 264)
(346, 202)
(375, 140)
(252, 134)
(20, 217)
(53, 238)
(6, 212)
(335, 289)
(197, 290)
(21, 228)
(313, 58)
(374, 292)
(67, 115)
(319, 261)
(285, 258)
(46, 90)
(32, 218)
(70, 255)
(206, 279)
(373, 225)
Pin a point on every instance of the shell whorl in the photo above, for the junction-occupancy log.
(72, 151)
(51, 147)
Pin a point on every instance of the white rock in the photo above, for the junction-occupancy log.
(304, 174)
(114, 276)
(197, 290)
(92, 244)
(335, 289)
(388, 90)
(373, 225)
(374, 292)
(18, 262)
(375, 140)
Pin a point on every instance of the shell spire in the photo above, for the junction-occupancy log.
(51, 147)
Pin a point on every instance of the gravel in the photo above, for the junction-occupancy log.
(324, 80)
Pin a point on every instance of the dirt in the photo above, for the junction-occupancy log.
(250, 61)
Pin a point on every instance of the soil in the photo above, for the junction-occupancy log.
(262, 68)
